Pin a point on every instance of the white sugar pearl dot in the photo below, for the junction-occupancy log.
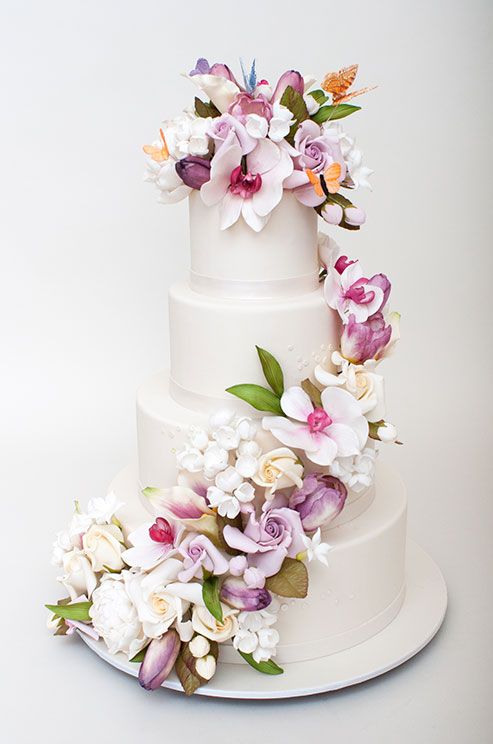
(290, 347)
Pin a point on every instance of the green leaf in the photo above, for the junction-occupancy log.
(221, 523)
(295, 103)
(210, 595)
(331, 113)
(257, 396)
(78, 611)
(186, 669)
(204, 110)
(139, 656)
(290, 581)
(272, 371)
(266, 667)
(312, 392)
(319, 96)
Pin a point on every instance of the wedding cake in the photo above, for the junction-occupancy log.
(260, 528)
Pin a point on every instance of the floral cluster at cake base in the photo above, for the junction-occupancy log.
(252, 140)
(248, 513)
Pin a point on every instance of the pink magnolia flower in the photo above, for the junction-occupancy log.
(350, 293)
(314, 149)
(363, 341)
(267, 540)
(337, 429)
(245, 104)
(152, 543)
(253, 191)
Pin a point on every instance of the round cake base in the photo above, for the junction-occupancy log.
(419, 619)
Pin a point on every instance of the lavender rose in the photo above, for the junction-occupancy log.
(367, 340)
(319, 500)
(268, 540)
(199, 552)
(221, 129)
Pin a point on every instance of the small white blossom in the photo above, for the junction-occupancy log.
(357, 472)
(256, 126)
(281, 122)
(255, 635)
(191, 459)
(215, 460)
(227, 437)
(102, 510)
(315, 548)
(222, 417)
(198, 438)
(311, 104)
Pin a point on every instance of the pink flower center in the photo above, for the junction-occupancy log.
(358, 294)
(161, 531)
(244, 184)
(342, 263)
(318, 420)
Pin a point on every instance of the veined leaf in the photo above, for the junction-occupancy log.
(186, 668)
(295, 103)
(257, 396)
(210, 595)
(272, 371)
(78, 611)
(290, 581)
(266, 667)
(331, 113)
(204, 110)
(319, 96)
(139, 656)
(312, 392)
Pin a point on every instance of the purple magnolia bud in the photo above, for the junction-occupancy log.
(237, 594)
(159, 660)
(292, 78)
(354, 216)
(319, 500)
(363, 341)
(194, 171)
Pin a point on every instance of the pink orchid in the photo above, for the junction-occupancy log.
(152, 543)
(253, 191)
(350, 293)
(337, 429)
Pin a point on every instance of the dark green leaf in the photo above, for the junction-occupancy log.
(331, 113)
(272, 371)
(290, 581)
(257, 396)
(204, 110)
(210, 595)
(266, 667)
(295, 103)
(221, 523)
(185, 668)
(312, 392)
(139, 656)
(78, 611)
(319, 96)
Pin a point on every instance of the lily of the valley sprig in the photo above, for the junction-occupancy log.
(248, 142)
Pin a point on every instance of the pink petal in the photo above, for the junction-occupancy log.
(265, 157)
(297, 178)
(341, 406)
(307, 196)
(345, 439)
(236, 539)
(351, 274)
(271, 561)
(296, 404)
(326, 451)
(222, 164)
(271, 192)
(145, 556)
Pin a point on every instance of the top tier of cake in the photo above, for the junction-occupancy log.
(280, 261)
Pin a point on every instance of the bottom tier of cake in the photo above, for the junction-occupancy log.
(351, 600)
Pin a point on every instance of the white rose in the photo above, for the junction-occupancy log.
(160, 599)
(114, 616)
(279, 468)
(102, 544)
(370, 392)
(61, 546)
(207, 625)
(79, 577)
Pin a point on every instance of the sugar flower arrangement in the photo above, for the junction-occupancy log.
(250, 141)
(248, 513)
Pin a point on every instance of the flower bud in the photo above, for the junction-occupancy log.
(237, 565)
(332, 213)
(237, 594)
(194, 171)
(159, 660)
(206, 667)
(354, 216)
(199, 646)
(319, 500)
(363, 341)
(387, 433)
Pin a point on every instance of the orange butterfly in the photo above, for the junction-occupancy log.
(330, 180)
(338, 83)
(158, 154)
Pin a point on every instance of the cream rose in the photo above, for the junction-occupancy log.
(368, 388)
(79, 577)
(280, 468)
(207, 625)
(102, 544)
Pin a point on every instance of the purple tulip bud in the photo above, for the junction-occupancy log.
(194, 171)
(362, 341)
(319, 500)
(292, 78)
(237, 594)
(159, 660)
(354, 216)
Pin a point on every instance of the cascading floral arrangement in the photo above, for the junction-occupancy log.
(235, 534)
(249, 142)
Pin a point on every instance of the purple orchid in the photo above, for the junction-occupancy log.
(319, 500)
(237, 594)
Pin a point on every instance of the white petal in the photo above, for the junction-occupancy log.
(341, 406)
(326, 452)
(345, 439)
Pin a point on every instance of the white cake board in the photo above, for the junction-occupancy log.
(418, 621)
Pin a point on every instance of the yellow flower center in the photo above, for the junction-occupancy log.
(159, 605)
